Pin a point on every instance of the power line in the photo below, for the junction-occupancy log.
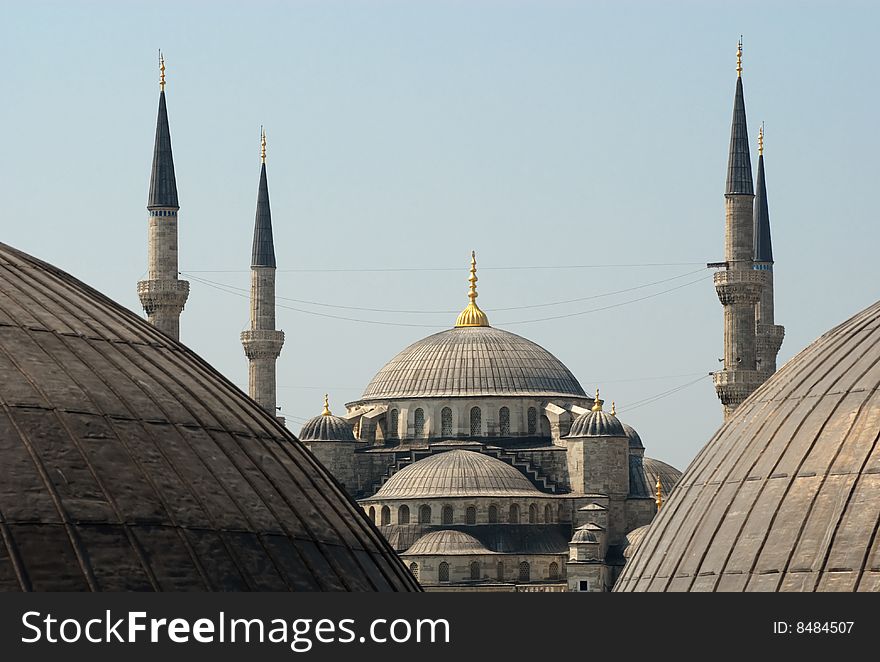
(426, 269)
(654, 398)
(448, 312)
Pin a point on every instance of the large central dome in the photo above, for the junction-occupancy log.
(473, 361)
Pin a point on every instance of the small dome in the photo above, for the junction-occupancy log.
(668, 475)
(784, 496)
(446, 543)
(633, 538)
(584, 535)
(326, 427)
(130, 464)
(597, 424)
(635, 441)
(456, 473)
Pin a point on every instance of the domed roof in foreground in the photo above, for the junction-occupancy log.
(130, 464)
(456, 473)
(446, 543)
(326, 427)
(785, 495)
(473, 361)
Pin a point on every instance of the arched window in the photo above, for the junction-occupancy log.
(446, 515)
(425, 515)
(493, 514)
(372, 514)
(533, 514)
(499, 571)
(559, 513)
(419, 422)
(446, 422)
(386, 515)
(414, 569)
(393, 417)
(548, 514)
(470, 515)
(553, 572)
(444, 572)
(403, 515)
(475, 570)
(533, 420)
(476, 421)
(513, 515)
(525, 571)
(504, 422)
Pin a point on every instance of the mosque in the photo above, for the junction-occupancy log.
(473, 461)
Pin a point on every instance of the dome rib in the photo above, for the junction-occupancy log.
(130, 464)
(783, 498)
(456, 473)
(473, 361)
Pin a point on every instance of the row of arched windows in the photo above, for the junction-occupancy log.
(524, 575)
(512, 515)
(476, 422)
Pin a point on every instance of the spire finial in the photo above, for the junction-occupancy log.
(472, 315)
(659, 499)
(326, 411)
(761, 140)
(262, 144)
(613, 408)
(161, 71)
(597, 403)
(739, 57)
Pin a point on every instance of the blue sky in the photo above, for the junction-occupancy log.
(402, 135)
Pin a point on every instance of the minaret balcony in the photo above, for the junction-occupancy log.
(769, 337)
(163, 295)
(739, 285)
(734, 386)
(262, 343)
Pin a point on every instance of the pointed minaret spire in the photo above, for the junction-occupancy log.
(472, 315)
(739, 164)
(262, 342)
(769, 335)
(737, 286)
(163, 294)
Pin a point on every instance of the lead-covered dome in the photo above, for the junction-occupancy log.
(326, 427)
(128, 463)
(785, 495)
(446, 543)
(456, 473)
(473, 361)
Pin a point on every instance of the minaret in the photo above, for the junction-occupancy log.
(162, 294)
(262, 343)
(738, 285)
(769, 334)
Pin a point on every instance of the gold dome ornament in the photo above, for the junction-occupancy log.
(472, 315)
(326, 411)
(597, 403)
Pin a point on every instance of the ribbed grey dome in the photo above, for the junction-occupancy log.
(446, 543)
(129, 464)
(583, 535)
(456, 473)
(597, 424)
(474, 361)
(635, 441)
(669, 476)
(633, 538)
(786, 495)
(326, 428)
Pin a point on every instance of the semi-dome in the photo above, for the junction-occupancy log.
(446, 543)
(635, 441)
(784, 497)
(633, 538)
(456, 473)
(130, 464)
(473, 361)
(326, 427)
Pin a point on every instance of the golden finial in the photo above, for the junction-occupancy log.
(613, 409)
(761, 140)
(161, 71)
(326, 411)
(659, 499)
(597, 403)
(739, 57)
(472, 315)
(262, 144)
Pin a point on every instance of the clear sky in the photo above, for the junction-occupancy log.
(404, 134)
